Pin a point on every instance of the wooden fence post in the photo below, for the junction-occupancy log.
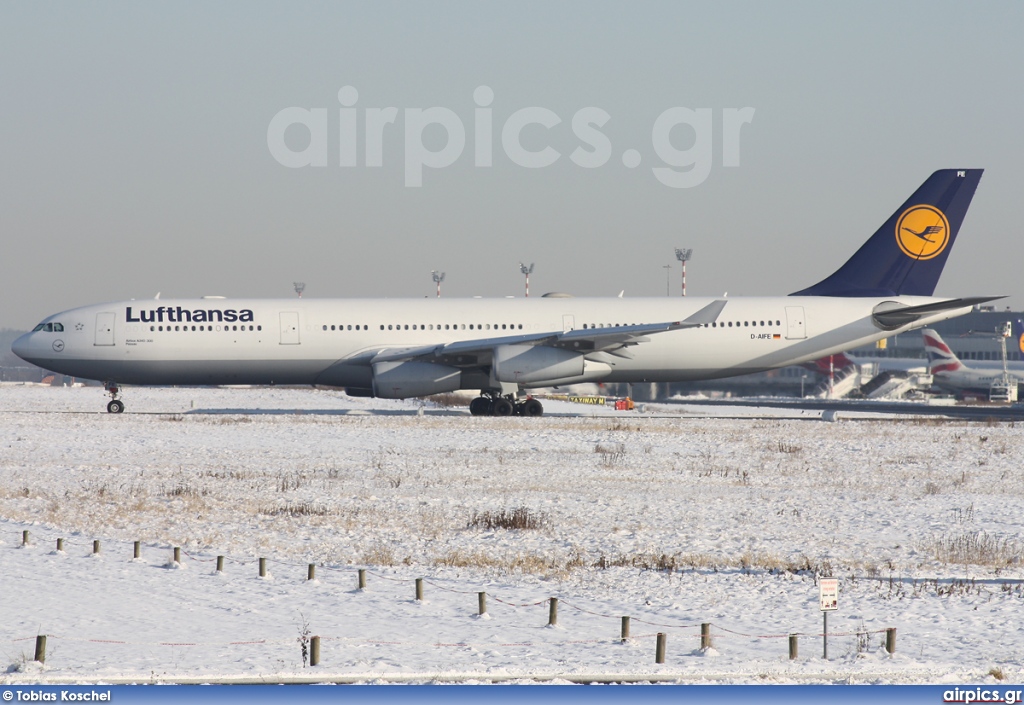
(314, 651)
(890, 640)
(138, 550)
(419, 589)
(792, 647)
(60, 545)
(481, 601)
(24, 537)
(220, 564)
(40, 648)
(552, 611)
(659, 650)
(177, 555)
(705, 636)
(263, 567)
(624, 632)
(96, 546)
(362, 578)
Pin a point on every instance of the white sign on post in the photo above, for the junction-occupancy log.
(829, 594)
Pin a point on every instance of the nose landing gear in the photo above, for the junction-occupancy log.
(115, 405)
(491, 404)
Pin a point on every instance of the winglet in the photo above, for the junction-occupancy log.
(708, 314)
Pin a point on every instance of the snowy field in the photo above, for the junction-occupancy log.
(671, 516)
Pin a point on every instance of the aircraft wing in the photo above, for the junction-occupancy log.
(585, 340)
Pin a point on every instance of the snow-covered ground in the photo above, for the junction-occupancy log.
(671, 516)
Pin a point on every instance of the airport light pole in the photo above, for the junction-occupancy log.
(527, 271)
(299, 288)
(684, 256)
(438, 278)
(666, 268)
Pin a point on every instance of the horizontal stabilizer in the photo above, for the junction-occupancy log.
(890, 315)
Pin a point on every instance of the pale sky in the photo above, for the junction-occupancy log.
(135, 154)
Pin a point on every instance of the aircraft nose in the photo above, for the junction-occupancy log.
(22, 346)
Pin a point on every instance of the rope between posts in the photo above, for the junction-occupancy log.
(784, 636)
(518, 604)
(201, 560)
(165, 643)
(447, 589)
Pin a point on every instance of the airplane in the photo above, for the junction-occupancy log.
(395, 348)
(949, 373)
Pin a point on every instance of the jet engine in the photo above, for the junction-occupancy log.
(400, 380)
(532, 366)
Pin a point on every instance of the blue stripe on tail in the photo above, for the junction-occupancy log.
(907, 254)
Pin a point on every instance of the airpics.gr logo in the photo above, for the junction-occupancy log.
(922, 232)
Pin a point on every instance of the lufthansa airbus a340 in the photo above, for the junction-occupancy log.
(396, 348)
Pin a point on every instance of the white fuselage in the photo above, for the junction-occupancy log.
(214, 341)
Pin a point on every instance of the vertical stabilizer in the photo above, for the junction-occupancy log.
(940, 357)
(906, 255)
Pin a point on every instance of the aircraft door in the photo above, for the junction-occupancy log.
(289, 328)
(568, 323)
(795, 329)
(105, 328)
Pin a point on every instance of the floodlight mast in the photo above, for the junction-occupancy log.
(684, 256)
(527, 271)
(438, 278)
(299, 288)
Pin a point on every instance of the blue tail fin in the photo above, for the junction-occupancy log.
(907, 254)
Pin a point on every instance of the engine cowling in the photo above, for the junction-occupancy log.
(525, 364)
(401, 380)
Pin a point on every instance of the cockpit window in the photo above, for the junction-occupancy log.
(49, 328)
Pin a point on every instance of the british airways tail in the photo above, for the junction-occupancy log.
(906, 255)
(940, 357)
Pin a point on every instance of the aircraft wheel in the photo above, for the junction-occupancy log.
(532, 407)
(116, 406)
(503, 407)
(478, 407)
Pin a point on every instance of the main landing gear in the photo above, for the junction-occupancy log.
(115, 405)
(491, 404)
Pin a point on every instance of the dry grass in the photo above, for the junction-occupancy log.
(302, 509)
(976, 548)
(518, 519)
